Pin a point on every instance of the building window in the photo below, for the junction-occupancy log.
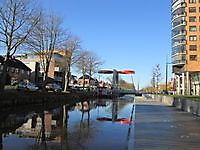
(192, 9)
(192, 28)
(193, 57)
(192, 1)
(192, 19)
(192, 37)
(193, 47)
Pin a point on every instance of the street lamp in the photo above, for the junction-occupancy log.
(166, 75)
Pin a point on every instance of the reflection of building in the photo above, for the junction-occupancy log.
(85, 105)
(33, 126)
(16, 70)
(185, 46)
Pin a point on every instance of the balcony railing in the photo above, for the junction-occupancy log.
(179, 23)
(178, 50)
(177, 1)
(178, 5)
(180, 33)
(179, 58)
(182, 42)
(178, 15)
(179, 62)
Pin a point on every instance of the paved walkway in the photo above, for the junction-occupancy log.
(160, 127)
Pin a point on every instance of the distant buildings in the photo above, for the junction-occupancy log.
(87, 81)
(28, 67)
(186, 46)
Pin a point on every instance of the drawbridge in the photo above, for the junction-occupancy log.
(115, 80)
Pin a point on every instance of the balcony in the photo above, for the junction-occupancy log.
(179, 62)
(178, 24)
(179, 50)
(179, 33)
(178, 4)
(178, 43)
(177, 1)
(178, 15)
(179, 59)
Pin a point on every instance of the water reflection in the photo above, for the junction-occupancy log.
(77, 126)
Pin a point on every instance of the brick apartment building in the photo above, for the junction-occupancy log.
(186, 46)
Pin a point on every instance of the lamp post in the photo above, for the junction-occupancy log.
(166, 75)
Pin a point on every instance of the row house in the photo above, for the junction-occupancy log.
(16, 71)
(88, 81)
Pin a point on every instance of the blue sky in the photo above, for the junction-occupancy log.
(126, 34)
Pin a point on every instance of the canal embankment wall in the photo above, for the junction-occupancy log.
(181, 103)
(15, 99)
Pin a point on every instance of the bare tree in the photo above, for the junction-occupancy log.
(72, 55)
(156, 76)
(17, 20)
(125, 85)
(93, 65)
(153, 81)
(82, 64)
(88, 63)
(45, 39)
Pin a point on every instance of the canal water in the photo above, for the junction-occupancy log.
(85, 125)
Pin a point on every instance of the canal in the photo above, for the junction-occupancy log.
(125, 123)
(85, 125)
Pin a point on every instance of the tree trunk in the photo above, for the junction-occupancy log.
(4, 73)
(90, 74)
(83, 81)
(45, 77)
(67, 78)
(43, 136)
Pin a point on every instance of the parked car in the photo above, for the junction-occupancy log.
(164, 92)
(73, 88)
(27, 86)
(14, 82)
(53, 87)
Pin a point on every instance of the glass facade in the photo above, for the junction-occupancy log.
(178, 32)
